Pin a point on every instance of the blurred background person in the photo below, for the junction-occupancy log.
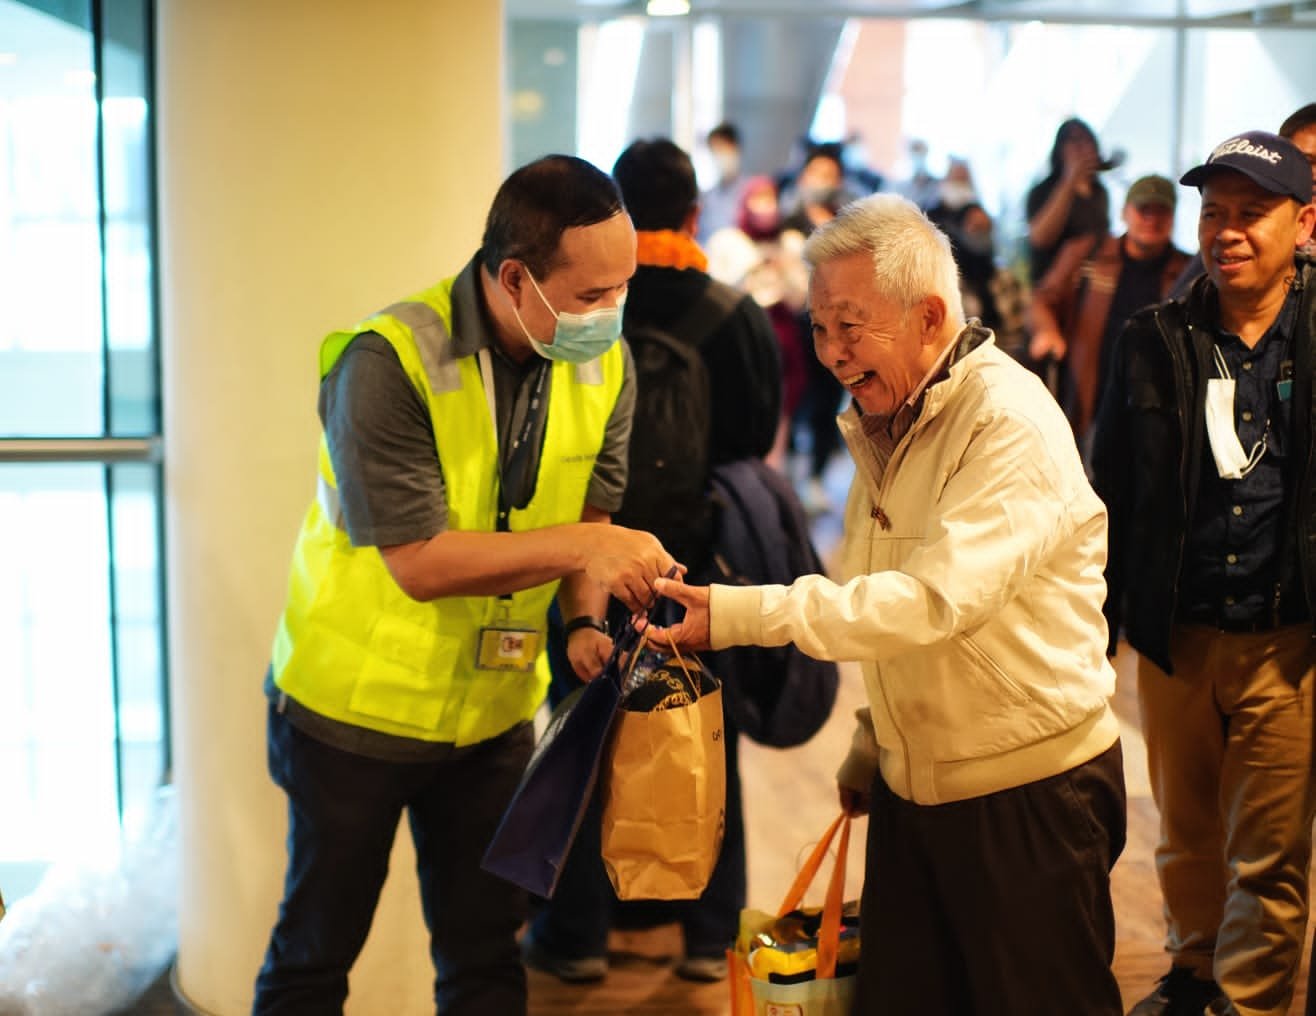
(863, 176)
(921, 186)
(1070, 201)
(750, 255)
(819, 191)
(990, 290)
(1096, 284)
(719, 203)
(955, 191)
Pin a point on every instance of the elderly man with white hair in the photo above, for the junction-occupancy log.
(971, 596)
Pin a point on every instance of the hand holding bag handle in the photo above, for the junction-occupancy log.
(540, 822)
(829, 933)
(632, 636)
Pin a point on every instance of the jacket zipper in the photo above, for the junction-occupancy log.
(884, 522)
(1180, 391)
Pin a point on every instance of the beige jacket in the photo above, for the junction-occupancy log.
(972, 569)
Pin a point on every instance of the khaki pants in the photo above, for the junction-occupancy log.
(1229, 748)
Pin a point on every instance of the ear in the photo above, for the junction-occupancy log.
(1306, 223)
(691, 224)
(511, 276)
(932, 315)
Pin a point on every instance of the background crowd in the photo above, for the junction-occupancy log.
(1055, 301)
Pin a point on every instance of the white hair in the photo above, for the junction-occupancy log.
(912, 258)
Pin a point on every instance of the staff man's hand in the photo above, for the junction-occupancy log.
(693, 631)
(626, 562)
(588, 650)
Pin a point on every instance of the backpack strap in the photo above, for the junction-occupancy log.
(707, 314)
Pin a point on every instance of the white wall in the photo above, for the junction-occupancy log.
(318, 160)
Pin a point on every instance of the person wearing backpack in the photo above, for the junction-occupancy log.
(708, 392)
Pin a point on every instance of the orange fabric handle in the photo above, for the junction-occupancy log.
(829, 934)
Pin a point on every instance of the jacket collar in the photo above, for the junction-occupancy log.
(948, 378)
(926, 400)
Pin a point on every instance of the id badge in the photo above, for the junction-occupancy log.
(508, 646)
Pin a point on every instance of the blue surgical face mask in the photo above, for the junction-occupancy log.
(578, 338)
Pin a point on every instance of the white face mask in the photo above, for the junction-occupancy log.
(728, 163)
(1230, 461)
(577, 338)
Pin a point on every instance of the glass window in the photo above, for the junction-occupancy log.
(84, 744)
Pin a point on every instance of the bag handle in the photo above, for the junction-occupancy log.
(829, 933)
(694, 685)
(630, 638)
(635, 656)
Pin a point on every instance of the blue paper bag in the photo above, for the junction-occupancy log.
(541, 821)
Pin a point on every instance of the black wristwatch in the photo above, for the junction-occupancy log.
(584, 621)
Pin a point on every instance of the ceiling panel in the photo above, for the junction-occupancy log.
(1268, 13)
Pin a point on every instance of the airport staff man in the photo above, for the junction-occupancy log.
(474, 445)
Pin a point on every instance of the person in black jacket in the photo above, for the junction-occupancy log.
(568, 936)
(1203, 455)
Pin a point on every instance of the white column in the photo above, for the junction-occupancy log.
(318, 160)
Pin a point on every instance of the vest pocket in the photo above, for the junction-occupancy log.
(407, 673)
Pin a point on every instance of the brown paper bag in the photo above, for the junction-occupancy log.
(664, 787)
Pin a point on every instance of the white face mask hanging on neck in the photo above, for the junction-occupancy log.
(1230, 461)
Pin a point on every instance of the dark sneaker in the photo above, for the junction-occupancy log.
(702, 968)
(572, 969)
(1179, 993)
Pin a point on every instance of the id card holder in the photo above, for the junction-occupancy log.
(1284, 386)
(508, 645)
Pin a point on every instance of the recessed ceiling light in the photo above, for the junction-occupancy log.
(667, 8)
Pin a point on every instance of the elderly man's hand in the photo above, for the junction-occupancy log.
(692, 632)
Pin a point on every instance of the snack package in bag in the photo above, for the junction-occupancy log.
(664, 779)
(800, 962)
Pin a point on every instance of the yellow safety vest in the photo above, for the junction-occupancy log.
(351, 645)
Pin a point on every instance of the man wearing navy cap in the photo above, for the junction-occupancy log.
(1204, 456)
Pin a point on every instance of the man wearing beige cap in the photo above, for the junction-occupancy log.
(1094, 286)
(1203, 454)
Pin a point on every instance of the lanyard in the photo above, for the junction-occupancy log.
(521, 445)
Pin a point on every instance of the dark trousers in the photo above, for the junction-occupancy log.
(997, 905)
(343, 813)
(576, 921)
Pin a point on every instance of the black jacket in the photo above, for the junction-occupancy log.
(743, 368)
(1146, 458)
(742, 357)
